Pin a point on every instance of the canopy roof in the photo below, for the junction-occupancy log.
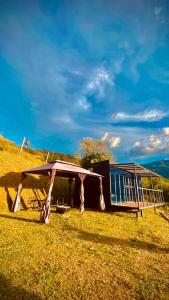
(135, 169)
(63, 169)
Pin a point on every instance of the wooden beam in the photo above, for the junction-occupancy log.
(82, 178)
(44, 217)
(70, 180)
(16, 204)
(101, 202)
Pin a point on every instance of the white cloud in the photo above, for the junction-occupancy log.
(146, 116)
(136, 144)
(112, 141)
(166, 131)
(157, 10)
(64, 121)
(105, 136)
(98, 81)
(155, 141)
(153, 144)
(83, 103)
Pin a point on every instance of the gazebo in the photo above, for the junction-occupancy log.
(60, 169)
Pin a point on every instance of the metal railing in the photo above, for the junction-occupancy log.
(144, 196)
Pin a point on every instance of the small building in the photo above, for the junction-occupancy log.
(124, 186)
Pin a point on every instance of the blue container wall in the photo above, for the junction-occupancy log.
(118, 179)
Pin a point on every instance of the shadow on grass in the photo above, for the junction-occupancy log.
(9, 199)
(8, 291)
(18, 218)
(12, 179)
(164, 216)
(111, 241)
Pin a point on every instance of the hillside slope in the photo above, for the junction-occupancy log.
(161, 167)
(11, 164)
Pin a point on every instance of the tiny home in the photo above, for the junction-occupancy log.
(124, 185)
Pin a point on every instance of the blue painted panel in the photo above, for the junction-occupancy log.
(117, 186)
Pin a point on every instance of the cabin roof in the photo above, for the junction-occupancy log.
(135, 169)
(63, 169)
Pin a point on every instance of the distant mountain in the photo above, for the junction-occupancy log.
(161, 167)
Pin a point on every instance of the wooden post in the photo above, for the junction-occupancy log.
(110, 179)
(47, 156)
(101, 202)
(152, 187)
(137, 191)
(161, 193)
(23, 142)
(70, 180)
(44, 217)
(82, 178)
(16, 205)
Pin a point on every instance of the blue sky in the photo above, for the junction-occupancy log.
(77, 69)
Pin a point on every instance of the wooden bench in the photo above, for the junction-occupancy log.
(62, 208)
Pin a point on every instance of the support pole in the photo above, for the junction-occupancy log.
(131, 185)
(115, 187)
(161, 187)
(119, 181)
(128, 183)
(70, 180)
(16, 205)
(44, 217)
(110, 179)
(137, 191)
(152, 187)
(101, 202)
(82, 178)
(47, 156)
(23, 142)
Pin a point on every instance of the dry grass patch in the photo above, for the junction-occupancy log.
(94, 256)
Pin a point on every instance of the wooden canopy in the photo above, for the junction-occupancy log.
(62, 169)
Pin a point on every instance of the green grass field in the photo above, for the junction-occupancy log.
(90, 256)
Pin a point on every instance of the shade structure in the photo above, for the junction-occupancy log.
(135, 169)
(61, 169)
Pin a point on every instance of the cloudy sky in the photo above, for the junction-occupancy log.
(74, 69)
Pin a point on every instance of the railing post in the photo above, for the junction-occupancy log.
(115, 187)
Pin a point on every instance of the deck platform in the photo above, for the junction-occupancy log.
(133, 207)
(136, 205)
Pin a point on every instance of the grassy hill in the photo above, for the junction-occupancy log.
(9, 146)
(90, 256)
(161, 167)
(11, 164)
